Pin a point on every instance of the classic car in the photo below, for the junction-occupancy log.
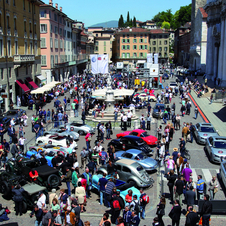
(203, 131)
(122, 186)
(216, 148)
(54, 140)
(130, 172)
(146, 96)
(5, 121)
(48, 176)
(130, 142)
(62, 131)
(149, 139)
(149, 164)
(158, 109)
(14, 113)
(80, 128)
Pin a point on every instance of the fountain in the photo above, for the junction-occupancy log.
(110, 96)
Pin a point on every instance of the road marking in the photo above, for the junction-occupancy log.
(207, 175)
(194, 175)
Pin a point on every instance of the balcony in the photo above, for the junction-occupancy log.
(25, 34)
(23, 58)
(8, 31)
(15, 33)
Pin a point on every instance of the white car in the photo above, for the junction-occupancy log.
(54, 140)
(173, 85)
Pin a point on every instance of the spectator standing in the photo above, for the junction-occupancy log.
(206, 210)
(127, 214)
(102, 183)
(18, 199)
(38, 214)
(192, 217)
(108, 189)
(148, 122)
(190, 197)
(161, 210)
(117, 205)
(178, 189)
(200, 187)
(213, 187)
(196, 112)
(175, 213)
(171, 177)
(143, 203)
(47, 217)
(83, 155)
(135, 220)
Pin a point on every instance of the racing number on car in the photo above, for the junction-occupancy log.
(50, 142)
(72, 129)
(123, 146)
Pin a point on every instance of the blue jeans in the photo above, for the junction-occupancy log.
(55, 124)
(196, 115)
(142, 212)
(108, 133)
(76, 113)
(87, 145)
(191, 136)
(10, 139)
(108, 202)
(41, 131)
(38, 223)
(68, 187)
(21, 133)
(103, 195)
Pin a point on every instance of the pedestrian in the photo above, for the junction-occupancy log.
(129, 117)
(108, 190)
(102, 183)
(200, 187)
(127, 214)
(143, 203)
(67, 178)
(186, 172)
(124, 119)
(178, 189)
(206, 211)
(11, 133)
(211, 98)
(192, 130)
(52, 196)
(83, 155)
(47, 217)
(190, 197)
(175, 213)
(88, 138)
(38, 214)
(88, 178)
(14, 150)
(185, 132)
(80, 194)
(103, 156)
(161, 210)
(135, 219)
(83, 116)
(213, 187)
(117, 205)
(159, 132)
(192, 217)
(18, 198)
(196, 112)
(171, 177)
(182, 147)
(1, 133)
(104, 219)
(148, 122)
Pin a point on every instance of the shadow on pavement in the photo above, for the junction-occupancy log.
(221, 114)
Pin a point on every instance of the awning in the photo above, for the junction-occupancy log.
(41, 78)
(30, 81)
(22, 85)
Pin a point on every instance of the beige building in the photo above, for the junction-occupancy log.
(19, 48)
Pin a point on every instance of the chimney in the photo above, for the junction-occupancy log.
(61, 9)
(51, 2)
(56, 5)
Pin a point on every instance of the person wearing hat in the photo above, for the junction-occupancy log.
(52, 196)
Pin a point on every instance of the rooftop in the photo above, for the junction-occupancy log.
(203, 12)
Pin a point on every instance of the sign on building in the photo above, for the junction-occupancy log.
(120, 65)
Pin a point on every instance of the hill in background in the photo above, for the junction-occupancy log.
(112, 23)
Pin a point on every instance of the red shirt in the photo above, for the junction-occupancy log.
(32, 175)
(84, 182)
(129, 198)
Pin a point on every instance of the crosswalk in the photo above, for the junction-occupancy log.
(206, 173)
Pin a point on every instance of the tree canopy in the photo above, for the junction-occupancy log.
(129, 22)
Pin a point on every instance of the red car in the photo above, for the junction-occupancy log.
(149, 139)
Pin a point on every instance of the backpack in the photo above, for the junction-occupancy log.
(145, 199)
(116, 205)
(136, 207)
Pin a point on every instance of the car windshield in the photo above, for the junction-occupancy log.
(172, 84)
(140, 142)
(220, 145)
(141, 156)
(207, 129)
(159, 106)
(139, 168)
(144, 134)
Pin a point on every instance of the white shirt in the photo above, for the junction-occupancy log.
(41, 201)
(124, 118)
(21, 141)
(98, 149)
(129, 115)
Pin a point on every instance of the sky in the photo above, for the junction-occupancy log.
(91, 12)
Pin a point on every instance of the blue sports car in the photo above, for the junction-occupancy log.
(149, 164)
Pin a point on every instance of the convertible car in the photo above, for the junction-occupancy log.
(149, 139)
(61, 131)
(54, 140)
(80, 128)
(149, 164)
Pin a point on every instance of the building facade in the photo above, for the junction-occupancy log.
(19, 48)
(216, 41)
(133, 44)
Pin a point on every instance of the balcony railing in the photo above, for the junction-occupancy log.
(23, 58)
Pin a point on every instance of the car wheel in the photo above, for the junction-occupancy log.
(132, 183)
(4, 188)
(80, 132)
(24, 207)
(53, 181)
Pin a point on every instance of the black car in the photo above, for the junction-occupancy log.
(5, 121)
(158, 109)
(130, 142)
(14, 113)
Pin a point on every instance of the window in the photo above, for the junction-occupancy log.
(134, 54)
(43, 13)
(9, 47)
(141, 40)
(31, 48)
(51, 42)
(25, 48)
(35, 29)
(127, 40)
(128, 55)
(160, 42)
(14, 2)
(29, 7)
(56, 30)
(43, 60)
(51, 28)
(150, 49)
(1, 47)
(96, 48)
(50, 14)
(14, 24)
(16, 47)
(60, 19)
(141, 54)
(24, 4)
(2, 73)
(68, 46)
(64, 45)
(104, 43)
(160, 49)
(7, 22)
(55, 17)
(123, 40)
(134, 47)
(134, 36)
(123, 55)
(141, 47)
(43, 42)
(154, 49)
(30, 30)
(104, 48)
(165, 49)
(68, 34)
(165, 42)
(123, 47)
(56, 43)
(43, 28)
(134, 40)
(127, 46)
(52, 61)
(145, 47)
(126, 169)
(56, 59)
(160, 36)
(61, 31)
(61, 44)
(123, 36)
(36, 49)
(145, 40)
(154, 42)
(10, 74)
(25, 24)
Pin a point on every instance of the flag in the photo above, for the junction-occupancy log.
(102, 63)
(94, 67)
(156, 58)
(150, 58)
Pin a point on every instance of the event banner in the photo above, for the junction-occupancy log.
(150, 58)
(156, 58)
(99, 63)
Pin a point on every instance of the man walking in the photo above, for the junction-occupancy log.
(196, 112)
(148, 122)
(102, 182)
(178, 189)
(200, 187)
(206, 211)
(190, 197)
(129, 116)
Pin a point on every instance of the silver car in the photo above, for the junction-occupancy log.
(149, 164)
(222, 174)
(61, 131)
(203, 131)
(80, 128)
(130, 171)
(216, 148)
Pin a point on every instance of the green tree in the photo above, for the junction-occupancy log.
(121, 22)
(128, 18)
(134, 22)
(165, 25)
